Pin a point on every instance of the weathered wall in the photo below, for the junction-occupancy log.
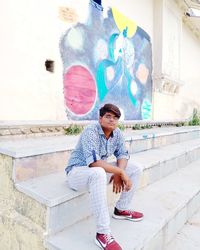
(22, 219)
(30, 34)
(176, 52)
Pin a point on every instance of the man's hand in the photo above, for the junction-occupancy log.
(126, 181)
(118, 184)
(121, 183)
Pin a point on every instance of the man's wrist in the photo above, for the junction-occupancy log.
(121, 172)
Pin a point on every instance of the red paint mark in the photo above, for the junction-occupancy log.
(79, 90)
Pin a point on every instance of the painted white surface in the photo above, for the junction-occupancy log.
(180, 66)
(190, 65)
(30, 34)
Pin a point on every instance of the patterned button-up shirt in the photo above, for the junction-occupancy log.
(93, 146)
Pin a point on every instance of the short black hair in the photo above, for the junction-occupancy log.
(108, 107)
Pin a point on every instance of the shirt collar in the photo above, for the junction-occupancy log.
(101, 130)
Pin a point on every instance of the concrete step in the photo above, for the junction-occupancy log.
(188, 237)
(61, 202)
(167, 205)
(31, 156)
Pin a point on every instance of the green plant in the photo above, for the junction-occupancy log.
(136, 127)
(73, 129)
(180, 124)
(148, 126)
(195, 120)
(121, 126)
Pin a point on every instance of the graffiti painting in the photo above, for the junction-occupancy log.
(107, 59)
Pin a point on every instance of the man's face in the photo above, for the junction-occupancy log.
(109, 121)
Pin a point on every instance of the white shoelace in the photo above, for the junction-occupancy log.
(109, 238)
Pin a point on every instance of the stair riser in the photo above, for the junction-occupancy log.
(162, 169)
(73, 211)
(68, 213)
(142, 144)
(40, 165)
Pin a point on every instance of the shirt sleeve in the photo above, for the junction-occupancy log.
(121, 152)
(90, 146)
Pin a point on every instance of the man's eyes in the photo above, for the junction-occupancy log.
(111, 117)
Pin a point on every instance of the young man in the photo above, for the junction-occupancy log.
(88, 169)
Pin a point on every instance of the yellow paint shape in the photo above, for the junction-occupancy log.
(122, 22)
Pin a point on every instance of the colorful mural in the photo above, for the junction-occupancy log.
(107, 60)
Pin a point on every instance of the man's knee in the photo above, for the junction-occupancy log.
(134, 169)
(98, 173)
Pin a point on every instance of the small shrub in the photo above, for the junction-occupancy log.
(195, 120)
(180, 124)
(121, 126)
(136, 127)
(148, 126)
(73, 129)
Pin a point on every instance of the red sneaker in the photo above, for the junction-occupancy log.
(107, 242)
(127, 215)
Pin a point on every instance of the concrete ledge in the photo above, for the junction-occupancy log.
(49, 190)
(166, 205)
(52, 190)
(37, 146)
(25, 147)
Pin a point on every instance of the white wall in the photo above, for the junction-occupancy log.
(190, 73)
(169, 105)
(30, 33)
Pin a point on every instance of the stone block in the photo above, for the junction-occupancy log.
(40, 165)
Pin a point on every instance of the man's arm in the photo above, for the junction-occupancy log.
(107, 167)
(119, 175)
(122, 163)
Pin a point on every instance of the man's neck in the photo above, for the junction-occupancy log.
(107, 132)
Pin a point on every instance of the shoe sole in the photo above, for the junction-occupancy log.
(120, 217)
(97, 243)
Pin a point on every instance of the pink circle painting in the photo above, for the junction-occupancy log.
(79, 90)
